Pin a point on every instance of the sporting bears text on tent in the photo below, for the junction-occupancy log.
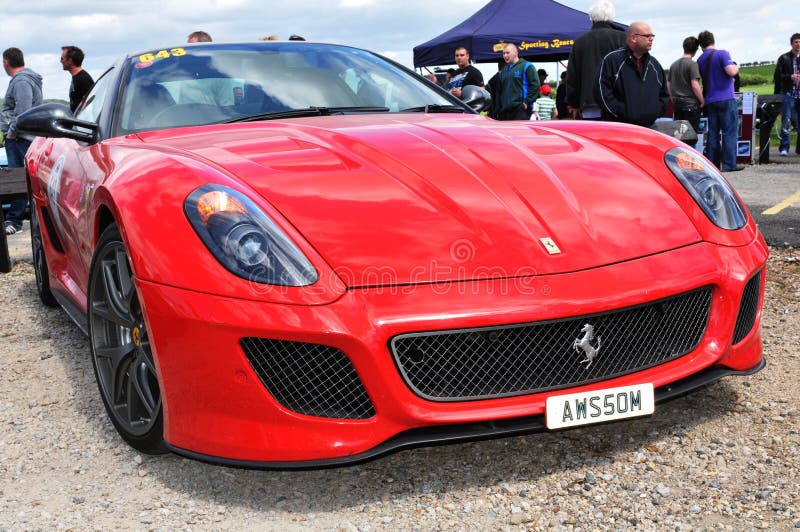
(543, 30)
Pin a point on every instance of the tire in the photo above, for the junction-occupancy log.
(120, 347)
(40, 261)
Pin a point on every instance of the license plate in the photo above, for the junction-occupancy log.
(599, 406)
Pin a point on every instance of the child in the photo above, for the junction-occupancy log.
(544, 108)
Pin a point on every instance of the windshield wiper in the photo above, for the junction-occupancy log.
(435, 108)
(309, 111)
(356, 109)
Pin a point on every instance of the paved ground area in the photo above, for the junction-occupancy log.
(19, 245)
(765, 187)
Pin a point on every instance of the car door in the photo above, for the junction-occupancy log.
(75, 172)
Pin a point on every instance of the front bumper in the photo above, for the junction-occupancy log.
(216, 408)
(447, 434)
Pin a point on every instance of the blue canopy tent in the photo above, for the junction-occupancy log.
(543, 30)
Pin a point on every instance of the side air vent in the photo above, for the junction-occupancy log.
(748, 309)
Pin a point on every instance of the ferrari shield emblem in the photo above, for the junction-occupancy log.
(550, 245)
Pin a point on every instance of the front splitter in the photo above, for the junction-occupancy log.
(447, 434)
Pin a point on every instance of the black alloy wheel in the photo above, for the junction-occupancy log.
(40, 261)
(120, 345)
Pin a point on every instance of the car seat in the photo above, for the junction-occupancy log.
(149, 100)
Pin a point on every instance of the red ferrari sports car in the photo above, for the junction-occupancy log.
(289, 254)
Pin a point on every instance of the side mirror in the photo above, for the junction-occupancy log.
(477, 98)
(679, 129)
(56, 121)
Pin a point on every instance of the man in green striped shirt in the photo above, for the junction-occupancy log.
(545, 108)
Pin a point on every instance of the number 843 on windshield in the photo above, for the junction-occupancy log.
(161, 54)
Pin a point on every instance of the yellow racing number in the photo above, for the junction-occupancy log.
(162, 54)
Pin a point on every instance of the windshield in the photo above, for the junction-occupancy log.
(205, 84)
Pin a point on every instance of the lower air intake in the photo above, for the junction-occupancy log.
(311, 379)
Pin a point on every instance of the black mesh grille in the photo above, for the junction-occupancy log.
(527, 358)
(748, 309)
(312, 379)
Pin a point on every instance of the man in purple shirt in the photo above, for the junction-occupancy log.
(717, 70)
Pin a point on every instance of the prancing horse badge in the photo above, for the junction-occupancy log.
(585, 344)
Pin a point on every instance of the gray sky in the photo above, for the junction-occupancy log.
(104, 29)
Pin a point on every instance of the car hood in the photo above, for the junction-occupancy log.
(403, 199)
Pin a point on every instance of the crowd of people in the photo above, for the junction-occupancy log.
(610, 76)
(24, 92)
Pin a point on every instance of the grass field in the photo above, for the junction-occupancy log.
(759, 89)
(757, 78)
(762, 70)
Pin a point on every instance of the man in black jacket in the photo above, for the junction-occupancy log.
(630, 84)
(787, 79)
(587, 52)
(561, 98)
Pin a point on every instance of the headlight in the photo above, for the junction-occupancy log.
(708, 188)
(245, 240)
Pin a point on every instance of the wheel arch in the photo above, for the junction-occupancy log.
(104, 218)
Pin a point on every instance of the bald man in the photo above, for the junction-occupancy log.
(518, 87)
(630, 85)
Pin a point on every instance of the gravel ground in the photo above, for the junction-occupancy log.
(725, 458)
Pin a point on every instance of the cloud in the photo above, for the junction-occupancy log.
(349, 4)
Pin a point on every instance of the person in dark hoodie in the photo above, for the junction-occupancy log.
(24, 91)
(630, 85)
(587, 52)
